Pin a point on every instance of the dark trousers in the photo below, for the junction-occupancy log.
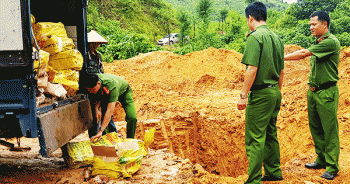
(95, 127)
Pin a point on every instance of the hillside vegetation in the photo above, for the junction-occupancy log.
(237, 5)
(134, 26)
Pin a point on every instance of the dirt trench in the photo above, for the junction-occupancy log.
(193, 97)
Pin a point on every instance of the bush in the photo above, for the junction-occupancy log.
(340, 25)
(122, 44)
(302, 40)
(293, 36)
(238, 45)
(303, 28)
(305, 8)
(287, 21)
(344, 39)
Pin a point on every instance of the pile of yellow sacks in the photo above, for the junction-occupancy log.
(60, 63)
(130, 154)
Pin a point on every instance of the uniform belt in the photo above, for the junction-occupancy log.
(323, 86)
(263, 86)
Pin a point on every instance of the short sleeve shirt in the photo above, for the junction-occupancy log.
(325, 60)
(265, 50)
(112, 86)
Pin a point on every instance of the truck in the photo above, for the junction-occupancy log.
(54, 124)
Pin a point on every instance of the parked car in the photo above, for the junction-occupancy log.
(174, 38)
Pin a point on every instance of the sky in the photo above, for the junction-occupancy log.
(291, 1)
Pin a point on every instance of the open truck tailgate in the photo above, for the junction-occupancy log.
(62, 123)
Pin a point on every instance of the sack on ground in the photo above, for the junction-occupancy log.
(130, 151)
(129, 155)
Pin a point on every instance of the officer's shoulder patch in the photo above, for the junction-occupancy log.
(322, 39)
(106, 90)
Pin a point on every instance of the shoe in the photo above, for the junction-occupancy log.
(270, 178)
(328, 176)
(315, 165)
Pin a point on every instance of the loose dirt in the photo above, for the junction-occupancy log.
(191, 101)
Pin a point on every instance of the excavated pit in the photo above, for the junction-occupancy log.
(191, 101)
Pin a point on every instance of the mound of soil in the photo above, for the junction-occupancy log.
(193, 97)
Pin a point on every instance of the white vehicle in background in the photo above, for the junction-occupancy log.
(170, 39)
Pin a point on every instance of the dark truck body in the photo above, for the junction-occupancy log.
(54, 124)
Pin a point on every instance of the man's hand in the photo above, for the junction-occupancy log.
(242, 103)
(97, 137)
(98, 115)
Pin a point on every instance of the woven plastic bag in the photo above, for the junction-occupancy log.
(68, 78)
(42, 29)
(80, 153)
(54, 44)
(70, 59)
(42, 65)
(131, 152)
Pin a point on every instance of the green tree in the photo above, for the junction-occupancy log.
(344, 39)
(250, 1)
(273, 16)
(287, 21)
(342, 10)
(223, 16)
(204, 10)
(302, 10)
(340, 25)
(184, 25)
(122, 44)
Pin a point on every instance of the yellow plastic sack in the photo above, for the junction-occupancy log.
(131, 152)
(41, 67)
(80, 153)
(149, 137)
(54, 44)
(44, 58)
(70, 59)
(32, 19)
(42, 29)
(68, 78)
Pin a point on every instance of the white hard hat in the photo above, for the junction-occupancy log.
(93, 36)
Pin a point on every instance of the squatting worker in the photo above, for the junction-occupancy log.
(323, 93)
(94, 64)
(263, 57)
(105, 90)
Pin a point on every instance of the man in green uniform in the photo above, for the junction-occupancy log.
(263, 78)
(323, 94)
(105, 90)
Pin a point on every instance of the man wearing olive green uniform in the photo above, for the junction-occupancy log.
(264, 59)
(323, 94)
(105, 90)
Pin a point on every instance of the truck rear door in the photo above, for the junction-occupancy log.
(54, 124)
